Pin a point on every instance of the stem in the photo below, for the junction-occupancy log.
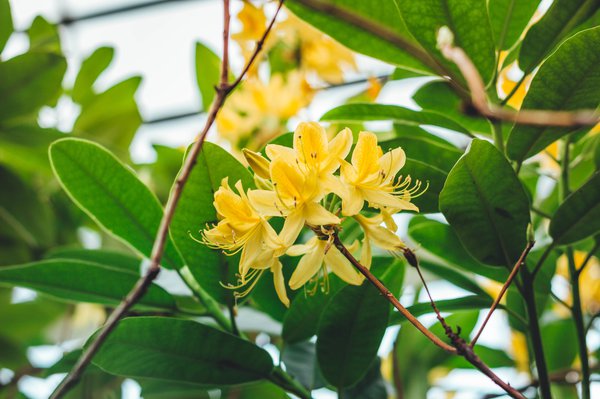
(498, 139)
(158, 247)
(509, 280)
(535, 334)
(589, 257)
(576, 309)
(580, 326)
(287, 382)
(459, 347)
(542, 259)
(212, 306)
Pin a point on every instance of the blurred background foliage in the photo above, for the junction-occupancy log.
(79, 271)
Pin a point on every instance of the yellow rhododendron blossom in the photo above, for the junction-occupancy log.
(371, 177)
(318, 254)
(241, 227)
(304, 184)
(296, 196)
(318, 53)
(589, 281)
(379, 235)
(257, 112)
(254, 24)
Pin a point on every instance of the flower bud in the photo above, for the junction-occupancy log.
(258, 163)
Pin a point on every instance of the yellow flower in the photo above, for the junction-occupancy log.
(254, 23)
(379, 235)
(296, 196)
(317, 255)
(519, 351)
(371, 177)
(589, 281)
(318, 53)
(241, 227)
(257, 112)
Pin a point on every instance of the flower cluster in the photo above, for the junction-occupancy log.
(311, 185)
(294, 54)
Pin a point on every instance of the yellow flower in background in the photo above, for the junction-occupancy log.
(254, 24)
(589, 281)
(507, 85)
(258, 112)
(317, 255)
(318, 53)
(371, 177)
(519, 351)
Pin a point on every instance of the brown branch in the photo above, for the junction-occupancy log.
(144, 282)
(479, 99)
(509, 280)
(459, 346)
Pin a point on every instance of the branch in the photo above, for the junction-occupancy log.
(480, 102)
(460, 347)
(509, 280)
(144, 282)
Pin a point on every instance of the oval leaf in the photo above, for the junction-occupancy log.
(486, 204)
(82, 281)
(110, 194)
(350, 331)
(578, 58)
(195, 210)
(467, 19)
(208, 70)
(579, 216)
(509, 19)
(29, 81)
(395, 113)
(181, 351)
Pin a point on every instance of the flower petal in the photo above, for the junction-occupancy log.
(292, 227)
(391, 162)
(365, 157)
(279, 282)
(379, 198)
(342, 267)
(338, 149)
(310, 143)
(352, 202)
(316, 215)
(309, 264)
(266, 202)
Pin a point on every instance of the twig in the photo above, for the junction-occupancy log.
(509, 280)
(460, 347)
(480, 102)
(161, 237)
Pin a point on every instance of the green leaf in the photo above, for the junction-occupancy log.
(302, 318)
(579, 216)
(432, 178)
(371, 386)
(438, 153)
(208, 72)
(111, 117)
(113, 259)
(469, 302)
(467, 19)
(439, 97)
(559, 357)
(6, 23)
(300, 361)
(181, 351)
(562, 17)
(29, 81)
(25, 147)
(486, 205)
(43, 36)
(81, 281)
(509, 18)
(91, 68)
(195, 210)
(579, 59)
(453, 276)
(383, 13)
(395, 113)
(23, 213)
(440, 240)
(110, 194)
(350, 331)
